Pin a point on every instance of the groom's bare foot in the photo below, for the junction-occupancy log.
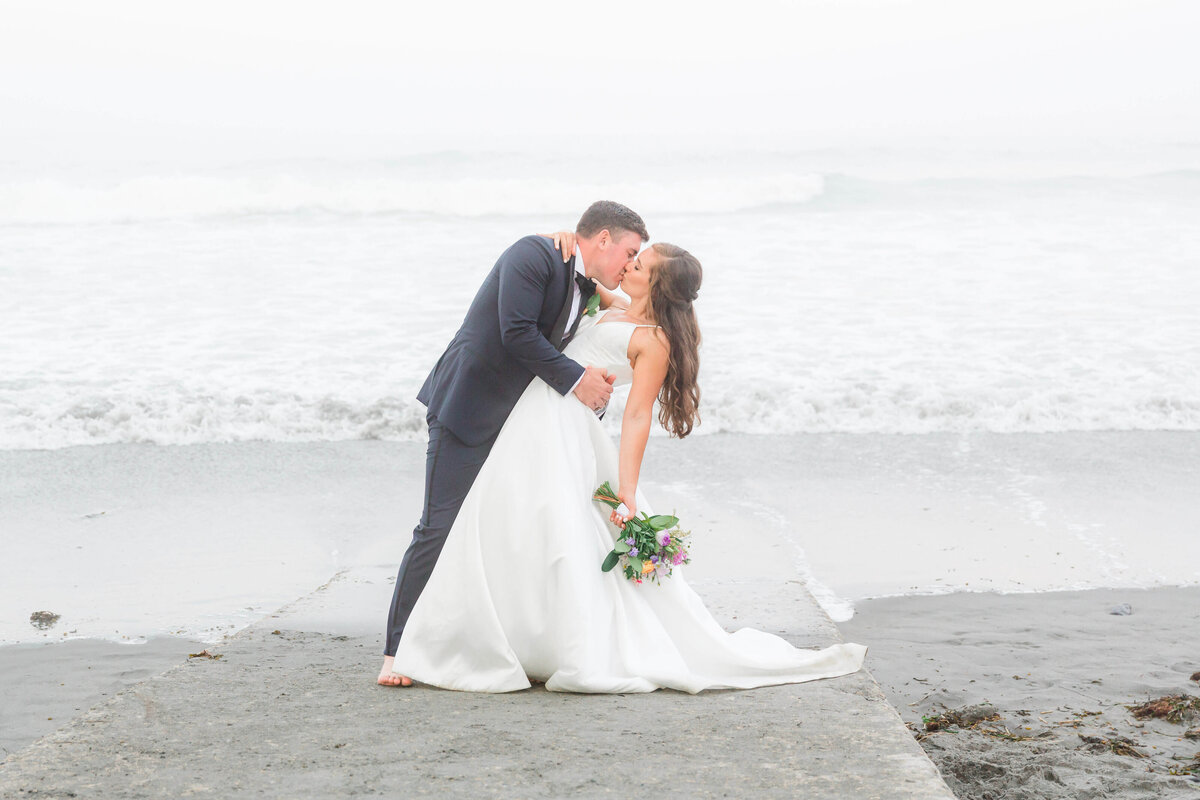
(389, 678)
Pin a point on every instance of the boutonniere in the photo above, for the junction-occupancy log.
(593, 305)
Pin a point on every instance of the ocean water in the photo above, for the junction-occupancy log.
(845, 291)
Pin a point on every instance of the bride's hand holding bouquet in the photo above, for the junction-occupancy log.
(626, 508)
(649, 547)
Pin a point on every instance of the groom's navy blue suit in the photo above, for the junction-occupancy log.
(515, 329)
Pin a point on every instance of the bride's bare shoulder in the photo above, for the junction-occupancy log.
(649, 342)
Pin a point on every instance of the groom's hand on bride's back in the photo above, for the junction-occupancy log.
(595, 388)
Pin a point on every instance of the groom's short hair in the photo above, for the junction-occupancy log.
(613, 216)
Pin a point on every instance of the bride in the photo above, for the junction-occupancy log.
(518, 596)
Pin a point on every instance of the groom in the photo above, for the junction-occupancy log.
(520, 320)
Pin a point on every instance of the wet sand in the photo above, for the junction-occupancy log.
(42, 687)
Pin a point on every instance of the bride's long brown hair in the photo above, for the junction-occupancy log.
(674, 284)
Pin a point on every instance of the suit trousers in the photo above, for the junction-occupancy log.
(450, 468)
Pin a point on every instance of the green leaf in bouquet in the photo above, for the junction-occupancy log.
(620, 547)
(660, 522)
(610, 561)
(641, 527)
(636, 565)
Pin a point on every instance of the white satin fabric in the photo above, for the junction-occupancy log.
(518, 595)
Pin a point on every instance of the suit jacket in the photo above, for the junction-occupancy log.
(504, 342)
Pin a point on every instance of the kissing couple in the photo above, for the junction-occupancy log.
(502, 585)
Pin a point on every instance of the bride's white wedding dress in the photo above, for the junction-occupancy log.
(517, 593)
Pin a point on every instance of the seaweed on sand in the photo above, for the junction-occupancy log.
(974, 718)
(1176, 708)
(1118, 744)
(965, 717)
(1192, 768)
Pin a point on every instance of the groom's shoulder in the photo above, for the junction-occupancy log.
(534, 244)
(532, 248)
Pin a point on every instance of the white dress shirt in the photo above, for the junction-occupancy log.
(576, 296)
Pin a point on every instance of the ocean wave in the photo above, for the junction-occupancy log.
(184, 196)
(179, 420)
(176, 419)
(1177, 187)
(360, 191)
(832, 315)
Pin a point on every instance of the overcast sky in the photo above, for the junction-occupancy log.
(96, 80)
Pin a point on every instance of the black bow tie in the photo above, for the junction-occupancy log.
(586, 286)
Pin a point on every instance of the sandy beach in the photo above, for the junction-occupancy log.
(180, 547)
(1055, 675)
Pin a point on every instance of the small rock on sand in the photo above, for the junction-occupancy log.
(1122, 610)
(43, 620)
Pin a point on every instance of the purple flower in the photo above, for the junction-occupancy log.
(654, 559)
(629, 541)
(633, 551)
(666, 539)
(678, 559)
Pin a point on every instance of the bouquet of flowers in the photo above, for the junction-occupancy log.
(649, 547)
